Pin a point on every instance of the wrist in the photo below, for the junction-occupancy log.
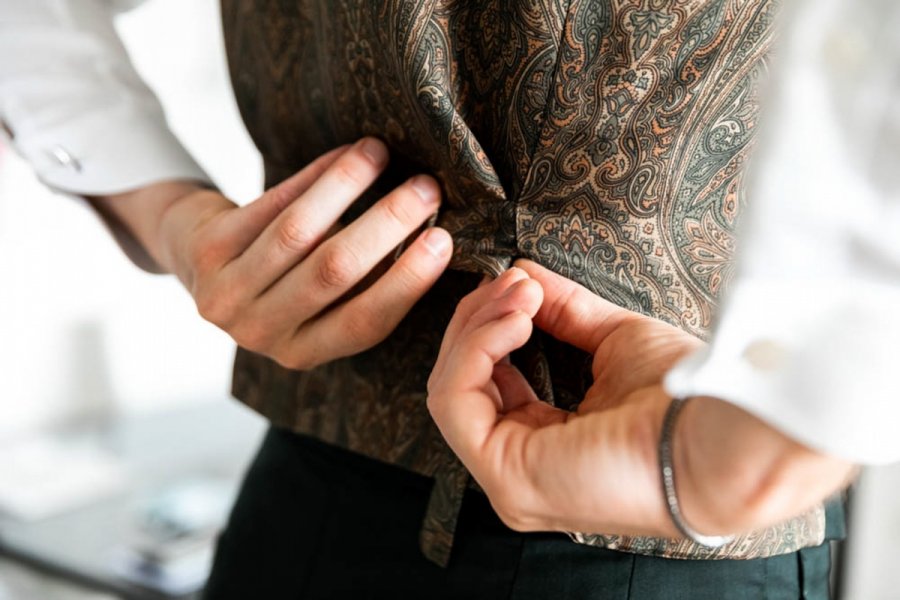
(182, 215)
(135, 216)
(736, 473)
(667, 462)
(716, 478)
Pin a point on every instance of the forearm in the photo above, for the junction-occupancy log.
(733, 472)
(736, 473)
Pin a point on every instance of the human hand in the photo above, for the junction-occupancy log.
(544, 468)
(275, 274)
(597, 469)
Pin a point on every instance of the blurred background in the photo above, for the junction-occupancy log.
(120, 447)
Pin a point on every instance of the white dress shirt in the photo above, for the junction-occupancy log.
(810, 332)
(73, 104)
(809, 335)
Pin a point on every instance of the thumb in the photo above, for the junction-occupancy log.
(571, 312)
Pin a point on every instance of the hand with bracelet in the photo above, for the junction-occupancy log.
(279, 275)
(598, 469)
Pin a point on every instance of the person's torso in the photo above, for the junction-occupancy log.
(606, 140)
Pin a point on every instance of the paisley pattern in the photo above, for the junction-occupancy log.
(646, 137)
(605, 139)
(766, 542)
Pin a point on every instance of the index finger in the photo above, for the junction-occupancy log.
(460, 395)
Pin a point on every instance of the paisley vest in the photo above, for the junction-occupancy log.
(605, 139)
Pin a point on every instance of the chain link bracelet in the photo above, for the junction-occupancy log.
(668, 480)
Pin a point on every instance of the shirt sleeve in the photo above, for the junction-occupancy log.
(73, 105)
(809, 336)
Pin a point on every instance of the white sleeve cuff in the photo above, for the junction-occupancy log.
(76, 107)
(117, 149)
(816, 360)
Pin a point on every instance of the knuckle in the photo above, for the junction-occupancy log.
(409, 283)
(364, 328)
(397, 209)
(337, 269)
(352, 171)
(254, 337)
(295, 360)
(215, 307)
(472, 345)
(203, 253)
(464, 307)
(280, 196)
(294, 235)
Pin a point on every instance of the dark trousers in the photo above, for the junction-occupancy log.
(314, 521)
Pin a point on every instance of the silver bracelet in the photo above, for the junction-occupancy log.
(668, 481)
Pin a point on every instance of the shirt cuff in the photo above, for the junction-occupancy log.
(118, 149)
(816, 360)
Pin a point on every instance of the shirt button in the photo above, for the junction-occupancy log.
(765, 355)
(65, 158)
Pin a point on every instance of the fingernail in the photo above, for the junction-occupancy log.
(437, 241)
(425, 188)
(374, 150)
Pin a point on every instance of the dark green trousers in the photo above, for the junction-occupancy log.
(314, 521)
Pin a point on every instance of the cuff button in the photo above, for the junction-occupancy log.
(765, 355)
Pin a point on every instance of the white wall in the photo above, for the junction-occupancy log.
(80, 327)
